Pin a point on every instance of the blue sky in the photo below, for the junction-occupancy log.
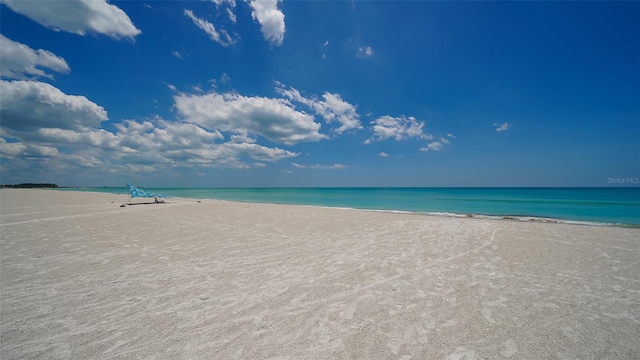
(309, 93)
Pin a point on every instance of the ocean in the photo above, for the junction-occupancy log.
(613, 205)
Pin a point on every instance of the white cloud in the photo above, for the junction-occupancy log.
(224, 78)
(54, 132)
(26, 106)
(87, 161)
(434, 146)
(15, 149)
(326, 43)
(231, 15)
(162, 136)
(270, 18)
(232, 3)
(331, 108)
(21, 62)
(438, 145)
(398, 128)
(501, 127)
(319, 167)
(221, 37)
(177, 54)
(171, 87)
(365, 51)
(77, 16)
(229, 9)
(151, 144)
(252, 150)
(384, 154)
(273, 119)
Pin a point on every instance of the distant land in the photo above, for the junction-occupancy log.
(29, 185)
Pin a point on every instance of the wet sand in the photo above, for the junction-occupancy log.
(81, 277)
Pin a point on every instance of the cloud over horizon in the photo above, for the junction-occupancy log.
(274, 119)
(318, 166)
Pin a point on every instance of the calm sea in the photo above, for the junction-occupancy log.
(594, 205)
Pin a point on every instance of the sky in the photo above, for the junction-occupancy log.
(265, 93)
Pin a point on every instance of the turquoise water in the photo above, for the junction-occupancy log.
(599, 205)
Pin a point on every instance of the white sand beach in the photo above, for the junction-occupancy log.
(83, 278)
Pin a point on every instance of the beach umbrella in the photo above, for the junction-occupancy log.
(135, 192)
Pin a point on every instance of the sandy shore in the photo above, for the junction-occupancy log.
(83, 278)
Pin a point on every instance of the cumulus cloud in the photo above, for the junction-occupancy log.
(398, 128)
(333, 107)
(384, 154)
(44, 128)
(501, 127)
(270, 18)
(20, 149)
(221, 37)
(319, 167)
(77, 16)
(162, 135)
(152, 144)
(273, 119)
(22, 62)
(27, 106)
(434, 146)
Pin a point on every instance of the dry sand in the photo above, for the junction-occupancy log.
(83, 278)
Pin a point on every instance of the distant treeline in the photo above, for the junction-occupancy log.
(29, 185)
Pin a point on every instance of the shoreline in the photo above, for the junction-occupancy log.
(503, 217)
(429, 214)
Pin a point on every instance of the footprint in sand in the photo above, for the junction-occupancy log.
(462, 353)
(510, 348)
(487, 315)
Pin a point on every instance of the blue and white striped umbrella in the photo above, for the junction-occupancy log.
(135, 192)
